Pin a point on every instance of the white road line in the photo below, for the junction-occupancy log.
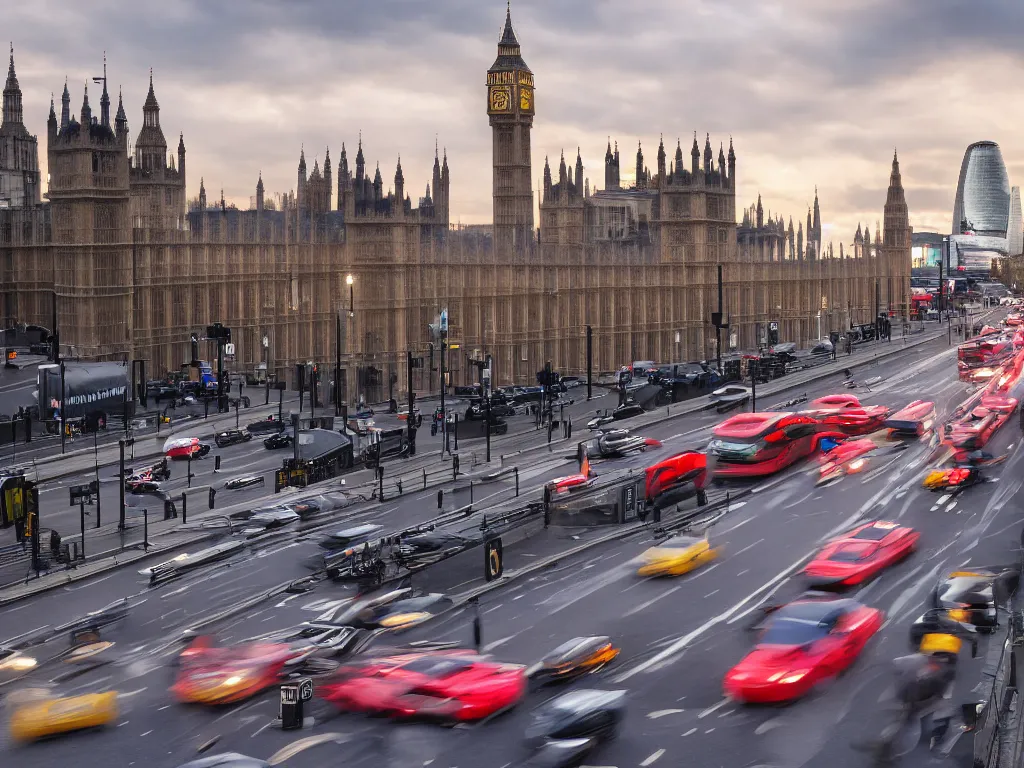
(664, 713)
(747, 548)
(652, 759)
(711, 710)
(690, 732)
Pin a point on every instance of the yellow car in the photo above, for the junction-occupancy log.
(49, 716)
(676, 556)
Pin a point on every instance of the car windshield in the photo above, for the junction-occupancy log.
(852, 552)
(875, 532)
(437, 668)
(791, 630)
(680, 542)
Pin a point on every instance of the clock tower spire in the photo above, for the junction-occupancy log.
(510, 107)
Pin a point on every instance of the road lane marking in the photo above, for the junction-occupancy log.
(690, 732)
(652, 758)
(747, 548)
(663, 713)
(711, 710)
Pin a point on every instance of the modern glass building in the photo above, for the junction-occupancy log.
(986, 213)
(925, 249)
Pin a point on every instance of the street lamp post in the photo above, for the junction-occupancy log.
(266, 369)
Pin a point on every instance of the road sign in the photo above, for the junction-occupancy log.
(444, 321)
(773, 326)
(305, 689)
(229, 349)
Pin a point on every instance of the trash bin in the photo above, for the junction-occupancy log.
(291, 713)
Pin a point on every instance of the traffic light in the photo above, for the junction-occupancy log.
(773, 333)
(542, 377)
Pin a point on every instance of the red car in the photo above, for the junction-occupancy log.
(802, 644)
(833, 402)
(914, 420)
(685, 472)
(213, 675)
(861, 554)
(758, 444)
(979, 360)
(456, 685)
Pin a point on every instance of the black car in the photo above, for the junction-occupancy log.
(232, 437)
(266, 427)
(500, 406)
(280, 440)
(261, 520)
(970, 597)
(569, 727)
(140, 486)
(614, 443)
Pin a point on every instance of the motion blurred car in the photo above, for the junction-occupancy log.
(849, 418)
(861, 554)
(566, 729)
(943, 478)
(140, 484)
(454, 686)
(576, 657)
(14, 664)
(227, 760)
(730, 396)
(914, 420)
(802, 644)
(282, 439)
(614, 443)
(758, 444)
(212, 675)
(677, 556)
(37, 714)
(232, 437)
(350, 537)
(569, 483)
(185, 448)
(245, 481)
(262, 520)
(626, 411)
(851, 457)
(423, 549)
(974, 429)
(398, 609)
(676, 478)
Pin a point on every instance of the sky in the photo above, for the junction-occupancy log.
(813, 94)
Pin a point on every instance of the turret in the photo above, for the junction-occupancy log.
(378, 186)
(328, 180)
(661, 160)
(202, 195)
(13, 113)
(707, 154)
(181, 156)
(435, 179)
(105, 97)
(86, 116)
(792, 244)
(120, 120)
(360, 162)
(445, 186)
(562, 176)
(695, 156)
(732, 166)
(547, 180)
(810, 234)
(300, 187)
(399, 181)
(760, 213)
(579, 173)
(801, 254)
(640, 180)
(817, 219)
(609, 166)
(65, 107)
(259, 194)
(858, 238)
(51, 122)
(721, 165)
(677, 170)
(342, 178)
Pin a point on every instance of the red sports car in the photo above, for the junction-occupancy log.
(684, 473)
(835, 401)
(973, 430)
(802, 644)
(456, 685)
(846, 414)
(861, 554)
(758, 444)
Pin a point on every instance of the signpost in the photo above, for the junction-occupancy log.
(82, 495)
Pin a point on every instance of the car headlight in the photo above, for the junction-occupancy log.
(788, 677)
(234, 680)
(18, 663)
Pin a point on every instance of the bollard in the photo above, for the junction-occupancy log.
(169, 511)
(189, 470)
(398, 482)
(184, 508)
(470, 491)
(440, 494)
(213, 496)
(216, 463)
(424, 478)
(517, 480)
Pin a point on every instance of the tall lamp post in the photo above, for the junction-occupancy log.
(342, 408)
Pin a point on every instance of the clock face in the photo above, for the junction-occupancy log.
(525, 99)
(501, 99)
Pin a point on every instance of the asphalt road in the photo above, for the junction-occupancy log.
(678, 637)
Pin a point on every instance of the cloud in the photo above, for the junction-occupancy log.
(813, 94)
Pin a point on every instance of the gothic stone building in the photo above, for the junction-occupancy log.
(132, 272)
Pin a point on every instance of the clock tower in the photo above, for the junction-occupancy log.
(510, 107)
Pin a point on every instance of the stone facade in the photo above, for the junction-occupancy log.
(133, 272)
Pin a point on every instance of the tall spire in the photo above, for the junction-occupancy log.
(65, 106)
(121, 119)
(104, 97)
(13, 115)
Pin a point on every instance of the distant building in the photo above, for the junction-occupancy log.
(926, 249)
(986, 213)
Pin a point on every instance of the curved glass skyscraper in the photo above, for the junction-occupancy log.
(986, 223)
(983, 192)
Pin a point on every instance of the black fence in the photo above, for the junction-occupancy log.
(999, 728)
